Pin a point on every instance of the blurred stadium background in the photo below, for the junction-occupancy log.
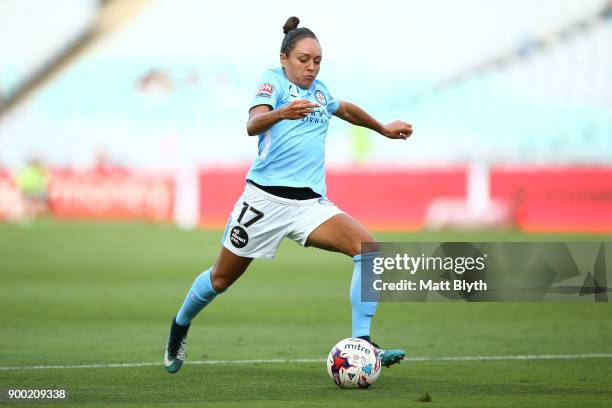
(137, 109)
(123, 119)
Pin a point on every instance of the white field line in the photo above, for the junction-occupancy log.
(313, 360)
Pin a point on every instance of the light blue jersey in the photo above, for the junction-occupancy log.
(292, 152)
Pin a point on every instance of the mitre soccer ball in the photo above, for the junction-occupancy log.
(353, 363)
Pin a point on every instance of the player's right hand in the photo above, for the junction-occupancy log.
(297, 109)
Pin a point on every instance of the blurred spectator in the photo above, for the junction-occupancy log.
(33, 181)
(156, 81)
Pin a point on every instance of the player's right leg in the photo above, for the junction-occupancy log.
(255, 229)
(228, 268)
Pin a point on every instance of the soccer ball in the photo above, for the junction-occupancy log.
(353, 363)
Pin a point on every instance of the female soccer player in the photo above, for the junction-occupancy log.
(285, 188)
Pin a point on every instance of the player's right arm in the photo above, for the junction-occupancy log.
(263, 117)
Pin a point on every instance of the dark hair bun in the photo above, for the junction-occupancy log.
(291, 24)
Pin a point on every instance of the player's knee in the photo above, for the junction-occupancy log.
(365, 244)
(220, 283)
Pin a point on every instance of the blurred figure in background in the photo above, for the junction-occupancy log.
(156, 84)
(33, 181)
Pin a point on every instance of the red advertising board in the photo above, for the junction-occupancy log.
(557, 199)
(394, 199)
(390, 199)
(111, 195)
(543, 199)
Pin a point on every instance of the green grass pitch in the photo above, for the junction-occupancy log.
(79, 293)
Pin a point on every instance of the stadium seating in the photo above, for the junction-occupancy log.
(551, 105)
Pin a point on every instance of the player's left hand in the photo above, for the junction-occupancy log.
(398, 130)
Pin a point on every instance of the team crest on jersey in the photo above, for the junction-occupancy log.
(320, 97)
(265, 90)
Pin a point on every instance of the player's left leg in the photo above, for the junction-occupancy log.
(344, 234)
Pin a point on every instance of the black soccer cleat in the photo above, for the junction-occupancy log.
(174, 353)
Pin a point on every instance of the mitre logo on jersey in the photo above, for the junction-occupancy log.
(265, 90)
(320, 97)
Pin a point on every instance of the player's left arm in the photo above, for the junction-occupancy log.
(354, 114)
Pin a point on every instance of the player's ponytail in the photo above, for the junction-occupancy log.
(293, 34)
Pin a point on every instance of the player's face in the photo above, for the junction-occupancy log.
(303, 62)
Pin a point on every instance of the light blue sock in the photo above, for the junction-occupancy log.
(362, 311)
(200, 294)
